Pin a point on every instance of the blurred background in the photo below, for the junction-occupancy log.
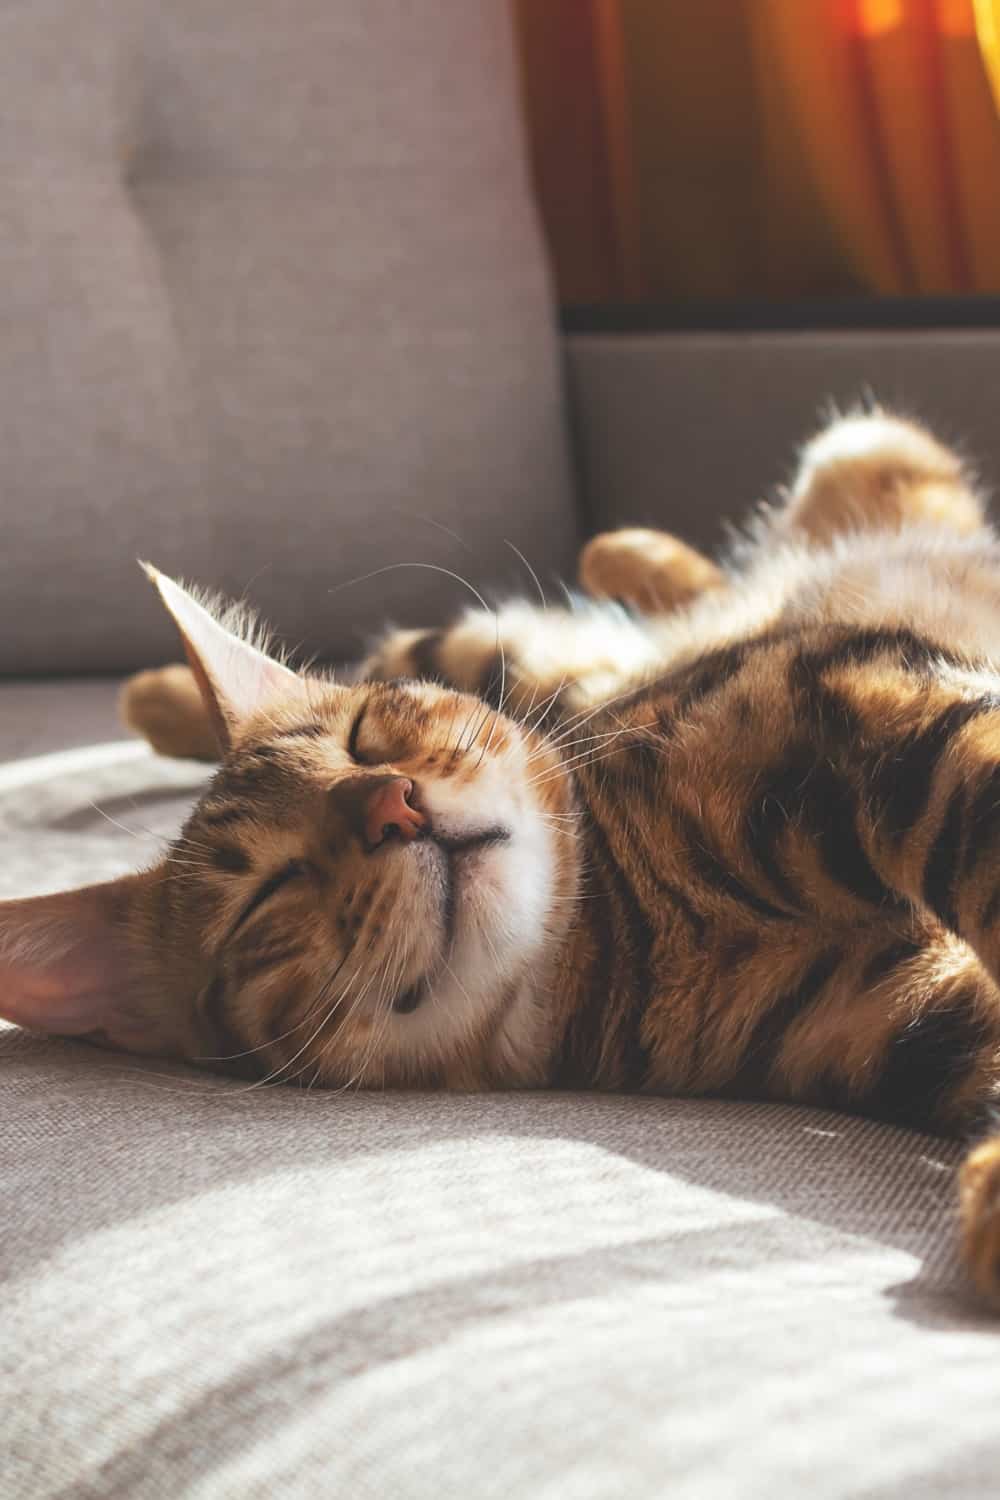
(765, 149)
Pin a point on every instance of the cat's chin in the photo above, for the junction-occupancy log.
(483, 926)
(494, 917)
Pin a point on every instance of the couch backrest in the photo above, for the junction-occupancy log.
(272, 304)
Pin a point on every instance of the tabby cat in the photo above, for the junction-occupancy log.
(733, 831)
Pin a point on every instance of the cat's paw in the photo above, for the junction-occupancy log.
(650, 570)
(522, 657)
(873, 470)
(979, 1206)
(166, 708)
(464, 656)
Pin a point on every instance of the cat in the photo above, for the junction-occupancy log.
(727, 829)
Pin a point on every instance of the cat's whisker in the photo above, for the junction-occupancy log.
(546, 707)
(567, 771)
(273, 1041)
(587, 759)
(545, 609)
(432, 567)
(375, 1038)
(599, 706)
(578, 721)
(318, 1003)
(477, 719)
(559, 742)
(479, 714)
(132, 833)
(359, 1000)
(458, 983)
(425, 520)
(503, 694)
(589, 739)
(589, 756)
(451, 722)
(386, 1003)
(562, 832)
(460, 746)
(327, 1017)
(519, 554)
(525, 710)
(493, 726)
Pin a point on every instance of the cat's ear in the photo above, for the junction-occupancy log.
(236, 678)
(68, 967)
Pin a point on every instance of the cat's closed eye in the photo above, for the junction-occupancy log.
(275, 882)
(374, 741)
(362, 754)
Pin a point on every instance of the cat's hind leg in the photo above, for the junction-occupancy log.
(875, 471)
(653, 571)
(863, 472)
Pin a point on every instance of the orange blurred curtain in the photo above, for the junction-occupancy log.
(988, 28)
(765, 148)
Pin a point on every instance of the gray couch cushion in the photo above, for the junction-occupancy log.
(689, 430)
(49, 717)
(212, 1291)
(76, 811)
(272, 302)
(215, 1293)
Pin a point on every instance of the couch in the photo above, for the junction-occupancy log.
(275, 313)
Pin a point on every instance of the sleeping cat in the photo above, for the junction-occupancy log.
(740, 837)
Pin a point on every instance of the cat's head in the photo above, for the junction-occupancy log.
(372, 889)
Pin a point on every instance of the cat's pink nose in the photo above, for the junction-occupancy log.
(389, 814)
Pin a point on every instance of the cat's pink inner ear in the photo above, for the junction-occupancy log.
(236, 679)
(65, 966)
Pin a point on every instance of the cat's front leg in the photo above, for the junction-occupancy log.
(522, 657)
(165, 706)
